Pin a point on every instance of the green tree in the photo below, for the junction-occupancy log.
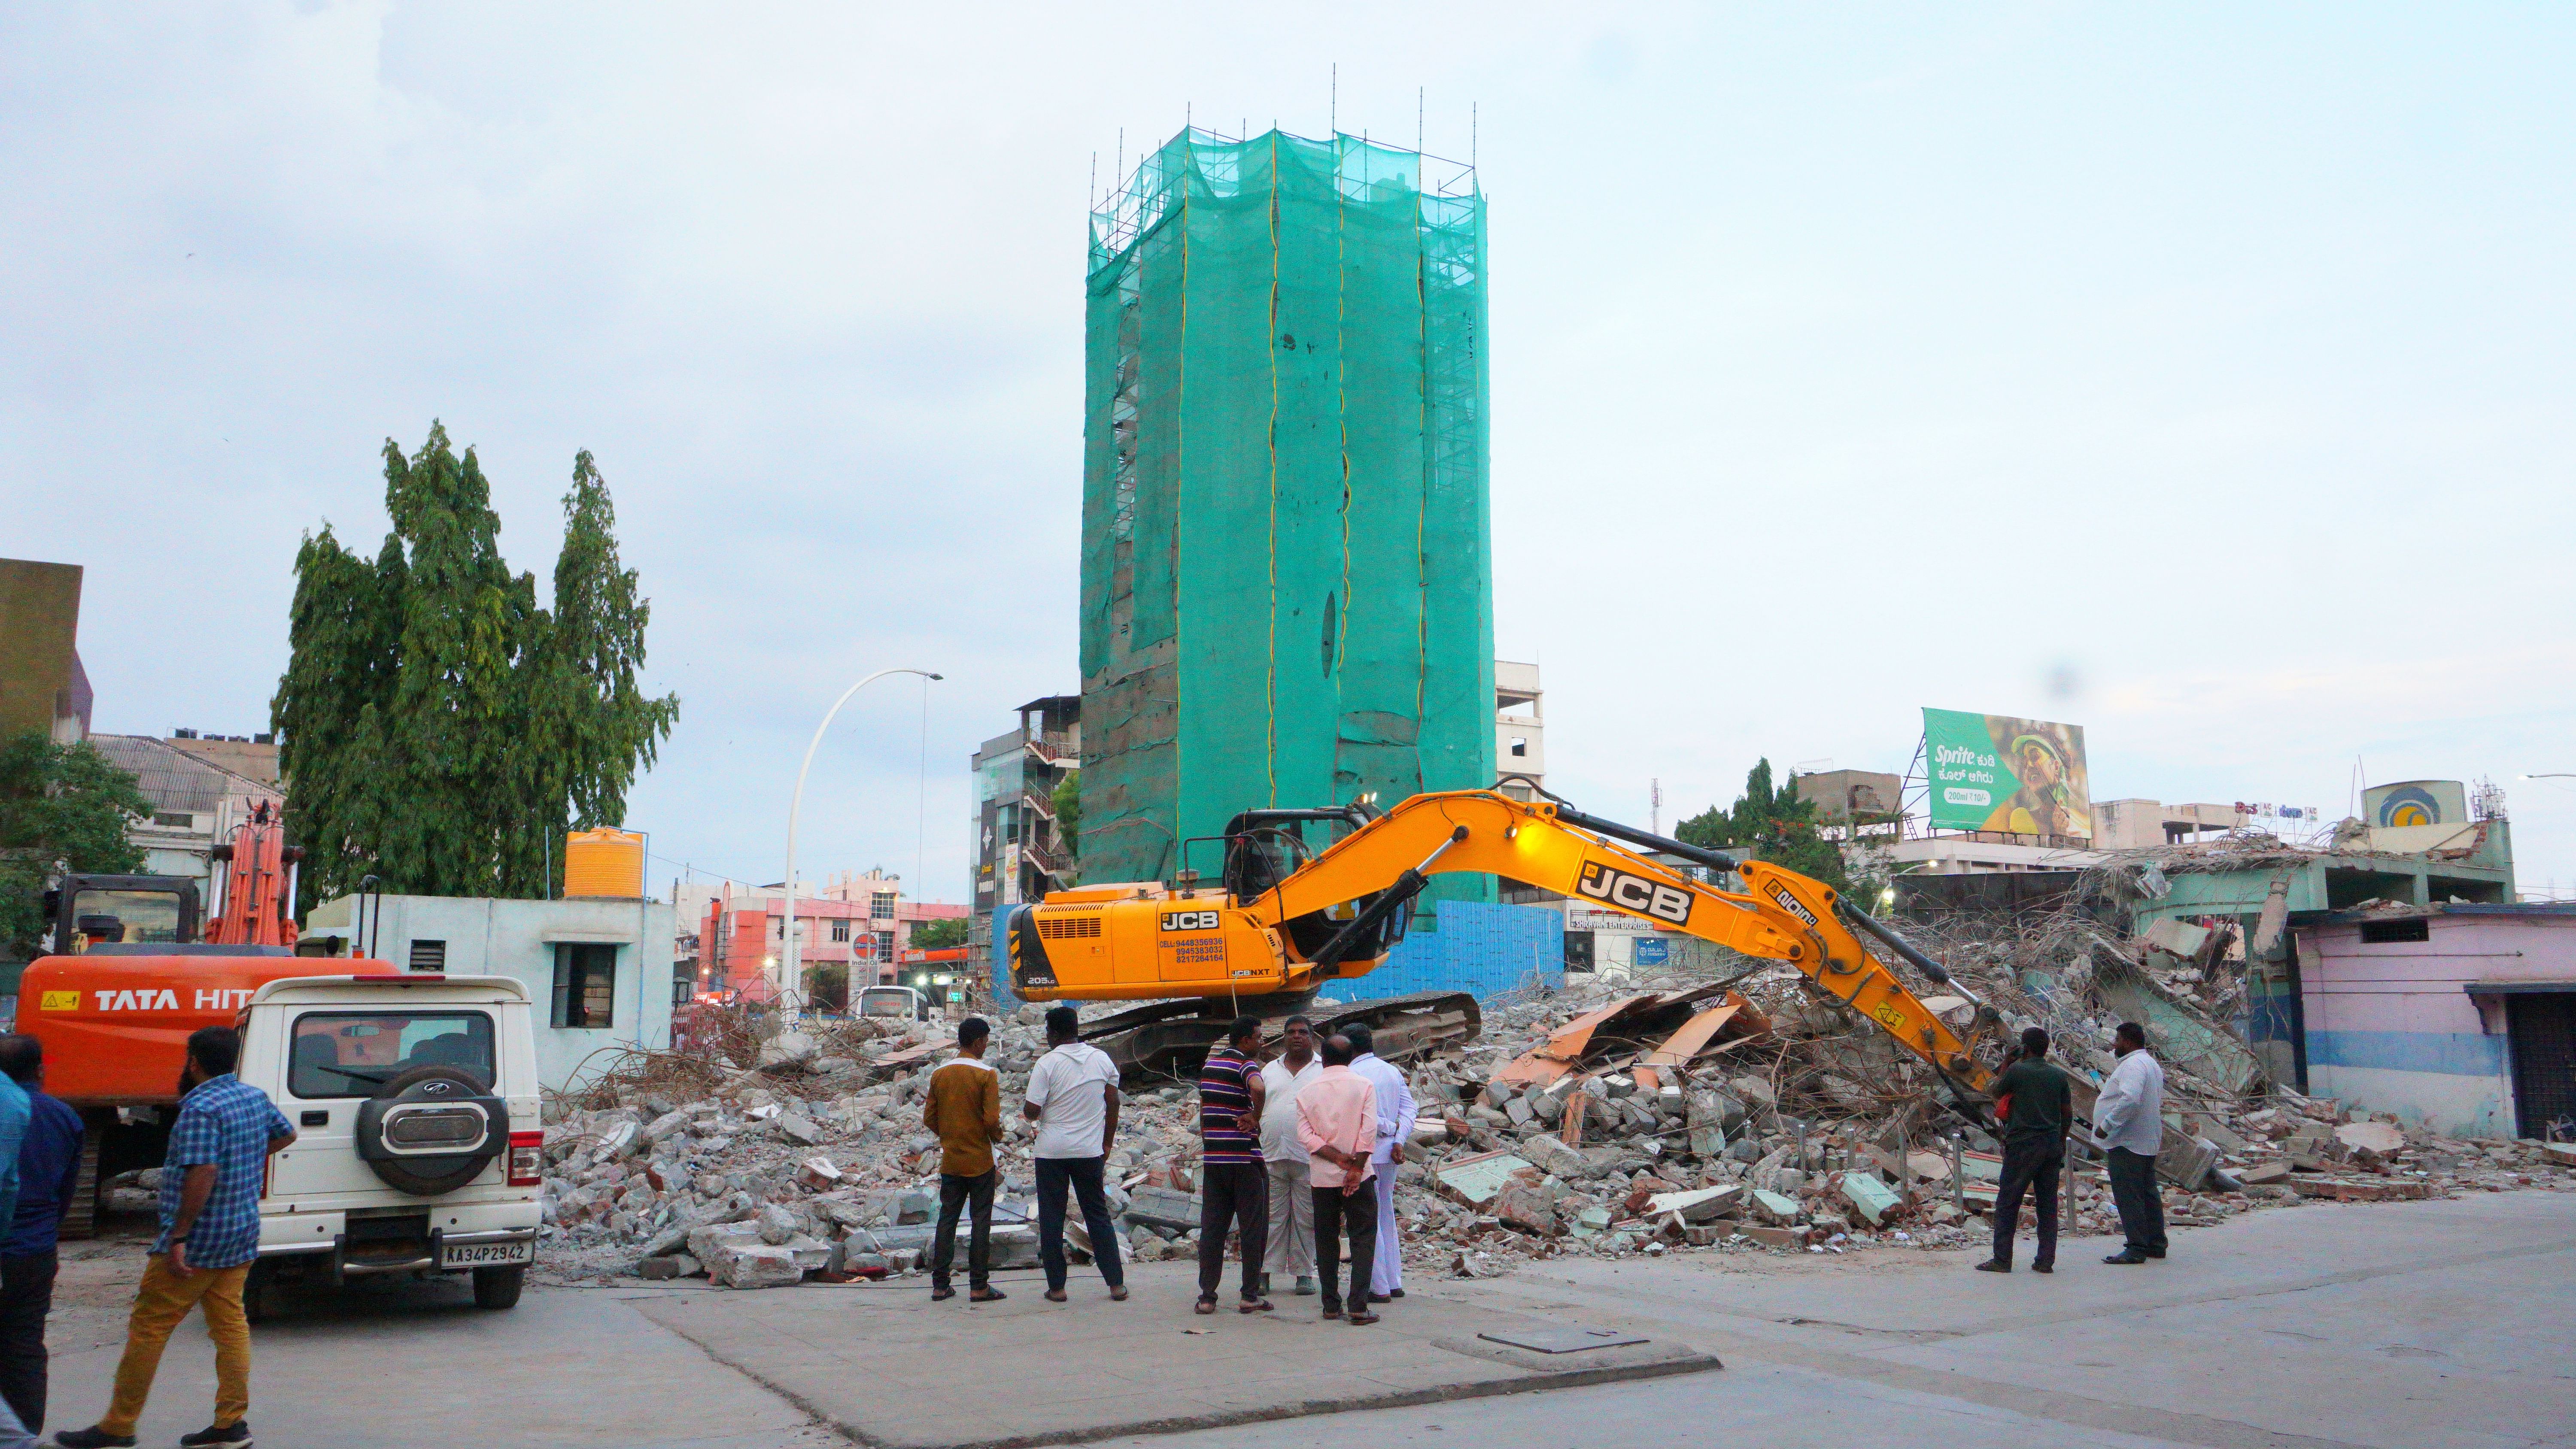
(437, 729)
(58, 804)
(939, 935)
(1771, 823)
(828, 985)
(1067, 801)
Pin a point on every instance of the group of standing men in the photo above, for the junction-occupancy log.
(1298, 1158)
(2036, 1101)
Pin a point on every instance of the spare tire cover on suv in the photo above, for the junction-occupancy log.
(432, 1129)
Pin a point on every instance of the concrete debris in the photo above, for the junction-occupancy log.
(1669, 1114)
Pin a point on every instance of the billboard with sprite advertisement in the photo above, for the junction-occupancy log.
(1994, 772)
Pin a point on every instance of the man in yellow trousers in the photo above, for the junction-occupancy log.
(210, 1182)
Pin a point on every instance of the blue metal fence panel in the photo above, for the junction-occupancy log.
(1479, 948)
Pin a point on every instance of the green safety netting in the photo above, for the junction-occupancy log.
(1287, 578)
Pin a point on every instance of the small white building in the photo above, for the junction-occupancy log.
(1520, 726)
(599, 970)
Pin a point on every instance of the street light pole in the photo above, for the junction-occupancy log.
(788, 988)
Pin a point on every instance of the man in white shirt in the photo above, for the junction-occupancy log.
(1292, 1192)
(1073, 1097)
(1396, 1115)
(2129, 1126)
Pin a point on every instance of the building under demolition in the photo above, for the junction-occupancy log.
(1286, 576)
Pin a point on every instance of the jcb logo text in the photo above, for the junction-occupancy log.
(1635, 893)
(1189, 920)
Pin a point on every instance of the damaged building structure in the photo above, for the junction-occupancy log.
(2312, 967)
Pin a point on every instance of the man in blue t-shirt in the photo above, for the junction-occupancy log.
(49, 1162)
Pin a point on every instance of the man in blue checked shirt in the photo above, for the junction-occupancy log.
(210, 1185)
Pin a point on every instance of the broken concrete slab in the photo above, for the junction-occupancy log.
(2379, 1137)
(1772, 1235)
(1777, 1207)
(1163, 1207)
(761, 1265)
(2263, 1172)
(1548, 1154)
(2376, 1189)
(1700, 1205)
(1872, 1199)
(1474, 1181)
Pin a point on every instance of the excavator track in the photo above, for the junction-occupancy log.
(1166, 1041)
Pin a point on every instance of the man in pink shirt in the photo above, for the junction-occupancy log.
(1337, 1123)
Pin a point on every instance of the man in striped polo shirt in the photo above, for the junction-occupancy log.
(1233, 1188)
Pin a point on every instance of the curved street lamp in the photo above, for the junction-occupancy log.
(789, 988)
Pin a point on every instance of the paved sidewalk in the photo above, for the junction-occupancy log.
(886, 1366)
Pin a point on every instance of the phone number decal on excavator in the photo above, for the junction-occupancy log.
(1635, 893)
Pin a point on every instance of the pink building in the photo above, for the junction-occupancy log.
(859, 921)
(2461, 1018)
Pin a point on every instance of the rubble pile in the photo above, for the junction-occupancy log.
(814, 1160)
(1727, 1108)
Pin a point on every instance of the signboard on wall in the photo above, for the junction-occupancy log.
(2416, 802)
(1997, 772)
(1648, 951)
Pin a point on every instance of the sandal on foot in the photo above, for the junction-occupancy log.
(1361, 1319)
(1204, 1305)
(1055, 1295)
(986, 1295)
(1118, 1294)
(1253, 1305)
(937, 1294)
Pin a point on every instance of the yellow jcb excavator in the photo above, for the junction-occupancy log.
(1282, 922)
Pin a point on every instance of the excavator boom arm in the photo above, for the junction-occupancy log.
(1781, 916)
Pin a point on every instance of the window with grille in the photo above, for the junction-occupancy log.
(885, 945)
(429, 955)
(881, 906)
(841, 929)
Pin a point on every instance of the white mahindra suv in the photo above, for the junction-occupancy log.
(418, 1144)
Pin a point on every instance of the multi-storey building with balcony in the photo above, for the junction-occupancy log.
(1022, 849)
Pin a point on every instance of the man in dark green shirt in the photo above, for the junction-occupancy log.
(2040, 1105)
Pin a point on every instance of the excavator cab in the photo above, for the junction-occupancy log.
(142, 912)
(1265, 847)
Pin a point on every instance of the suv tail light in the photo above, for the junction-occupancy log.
(527, 1158)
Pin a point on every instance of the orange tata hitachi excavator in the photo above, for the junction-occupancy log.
(131, 975)
(1283, 922)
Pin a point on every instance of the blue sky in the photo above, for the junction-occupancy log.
(2199, 375)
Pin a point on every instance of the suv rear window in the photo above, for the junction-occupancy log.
(352, 1053)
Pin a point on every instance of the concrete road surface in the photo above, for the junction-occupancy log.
(2435, 1324)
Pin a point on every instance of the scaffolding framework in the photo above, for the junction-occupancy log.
(1287, 579)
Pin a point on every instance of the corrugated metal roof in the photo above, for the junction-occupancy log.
(172, 779)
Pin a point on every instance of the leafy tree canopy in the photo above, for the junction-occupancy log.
(437, 729)
(1771, 823)
(61, 804)
(939, 935)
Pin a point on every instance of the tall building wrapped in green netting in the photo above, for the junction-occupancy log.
(1287, 578)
